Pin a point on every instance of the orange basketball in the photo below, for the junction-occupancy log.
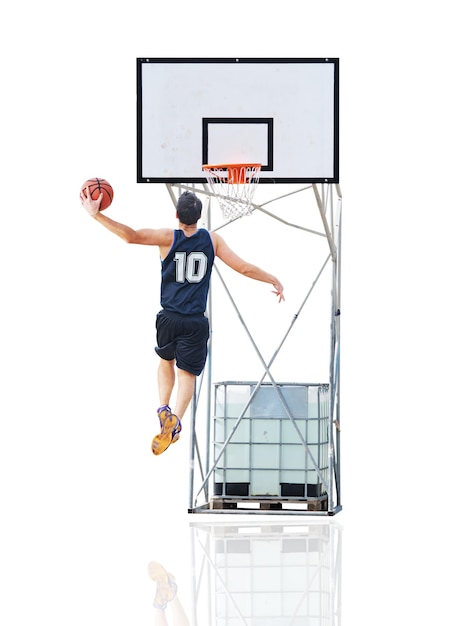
(97, 186)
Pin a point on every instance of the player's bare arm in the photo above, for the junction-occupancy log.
(162, 237)
(228, 256)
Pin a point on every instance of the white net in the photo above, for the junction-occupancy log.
(233, 186)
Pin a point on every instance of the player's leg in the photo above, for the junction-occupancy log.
(160, 618)
(179, 615)
(169, 422)
(165, 335)
(186, 388)
(190, 348)
(166, 380)
(191, 355)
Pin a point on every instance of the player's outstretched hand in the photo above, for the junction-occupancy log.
(279, 291)
(91, 206)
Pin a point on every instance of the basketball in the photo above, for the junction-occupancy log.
(97, 186)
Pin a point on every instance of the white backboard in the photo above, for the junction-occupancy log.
(282, 113)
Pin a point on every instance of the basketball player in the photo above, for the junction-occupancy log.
(182, 329)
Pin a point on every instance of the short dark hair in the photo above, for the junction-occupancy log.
(189, 208)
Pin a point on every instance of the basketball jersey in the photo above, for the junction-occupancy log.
(186, 273)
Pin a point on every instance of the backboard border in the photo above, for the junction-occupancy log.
(335, 178)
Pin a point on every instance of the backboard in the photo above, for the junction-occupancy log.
(282, 113)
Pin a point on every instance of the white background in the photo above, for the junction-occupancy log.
(84, 504)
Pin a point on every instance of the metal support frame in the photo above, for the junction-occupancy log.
(329, 203)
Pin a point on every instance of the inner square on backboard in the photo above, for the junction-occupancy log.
(250, 139)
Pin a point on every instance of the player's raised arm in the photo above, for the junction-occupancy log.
(162, 237)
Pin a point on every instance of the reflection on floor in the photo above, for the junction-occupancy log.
(166, 595)
(266, 574)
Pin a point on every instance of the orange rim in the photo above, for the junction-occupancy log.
(236, 171)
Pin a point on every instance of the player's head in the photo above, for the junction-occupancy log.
(188, 208)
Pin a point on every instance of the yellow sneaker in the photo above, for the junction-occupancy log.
(163, 412)
(170, 430)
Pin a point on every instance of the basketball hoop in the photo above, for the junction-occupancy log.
(233, 185)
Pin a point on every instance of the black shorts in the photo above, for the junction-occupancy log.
(184, 338)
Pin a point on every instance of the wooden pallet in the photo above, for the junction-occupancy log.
(262, 504)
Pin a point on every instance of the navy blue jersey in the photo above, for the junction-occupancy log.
(186, 273)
